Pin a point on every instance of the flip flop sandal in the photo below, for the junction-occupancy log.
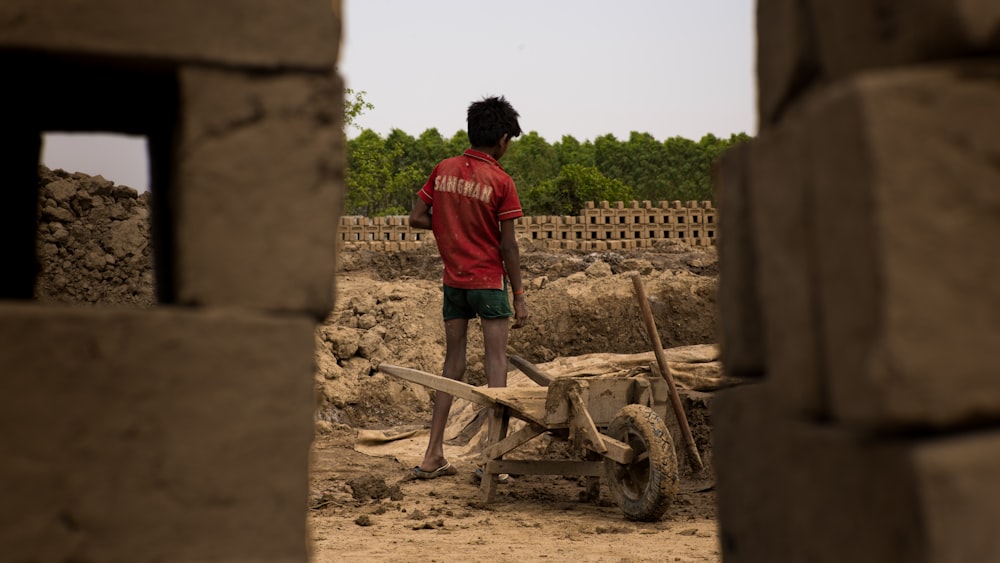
(446, 469)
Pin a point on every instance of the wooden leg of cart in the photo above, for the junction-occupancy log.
(593, 491)
(499, 420)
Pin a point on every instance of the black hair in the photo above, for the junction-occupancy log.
(490, 119)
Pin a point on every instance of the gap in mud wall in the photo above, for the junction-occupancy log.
(122, 159)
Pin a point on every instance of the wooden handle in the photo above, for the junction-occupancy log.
(529, 369)
(661, 359)
(439, 383)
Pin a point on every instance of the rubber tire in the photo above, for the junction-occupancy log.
(642, 489)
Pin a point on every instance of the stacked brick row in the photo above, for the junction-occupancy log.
(180, 432)
(605, 226)
(858, 288)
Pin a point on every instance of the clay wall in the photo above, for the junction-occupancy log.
(178, 431)
(857, 289)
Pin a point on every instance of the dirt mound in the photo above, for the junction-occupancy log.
(94, 249)
(388, 309)
(93, 241)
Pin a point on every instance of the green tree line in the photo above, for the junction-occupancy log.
(385, 173)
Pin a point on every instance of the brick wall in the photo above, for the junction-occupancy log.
(604, 226)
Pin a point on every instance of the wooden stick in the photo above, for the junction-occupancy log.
(438, 383)
(661, 359)
(529, 369)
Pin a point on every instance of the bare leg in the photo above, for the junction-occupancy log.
(455, 332)
(495, 332)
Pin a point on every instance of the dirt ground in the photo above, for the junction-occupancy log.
(94, 248)
(363, 504)
(364, 509)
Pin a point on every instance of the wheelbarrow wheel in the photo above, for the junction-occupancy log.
(645, 487)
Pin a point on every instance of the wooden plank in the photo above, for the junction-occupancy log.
(515, 440)
(526, 403)
(617, 450)
(451, 386)
(547, 467)
(592, 493)
(499, 420)
(582, 423)
(500, 394)
(607, 396)
(557, 409)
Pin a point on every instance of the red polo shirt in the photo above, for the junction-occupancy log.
(469, 195)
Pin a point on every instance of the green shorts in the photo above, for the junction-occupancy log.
(470, 303)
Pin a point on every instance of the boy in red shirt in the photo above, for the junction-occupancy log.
(474, 204)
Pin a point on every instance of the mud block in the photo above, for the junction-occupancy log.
(697, 216)
(638, 231)
(260, 190)
(779, 209)
(739, 308)
(854, 35)
(400, 234)
(354, 233)
(801, 45)
(163, 434)
(711, 216)
(786, 56)
(255, 33)
(793, 490)
(679, 216)
(658, 217)
(957, 484)
(908, 285)
(789, 491)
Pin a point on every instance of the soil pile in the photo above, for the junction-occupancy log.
(389, 309)
(94, 249)
(93, 241)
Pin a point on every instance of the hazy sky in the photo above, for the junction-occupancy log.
(570, 67)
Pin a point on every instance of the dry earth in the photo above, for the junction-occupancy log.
(364, 506)
(94, 250)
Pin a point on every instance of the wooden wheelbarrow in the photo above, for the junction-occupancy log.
(615, 422)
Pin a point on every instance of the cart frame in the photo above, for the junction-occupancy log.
(616, 422)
